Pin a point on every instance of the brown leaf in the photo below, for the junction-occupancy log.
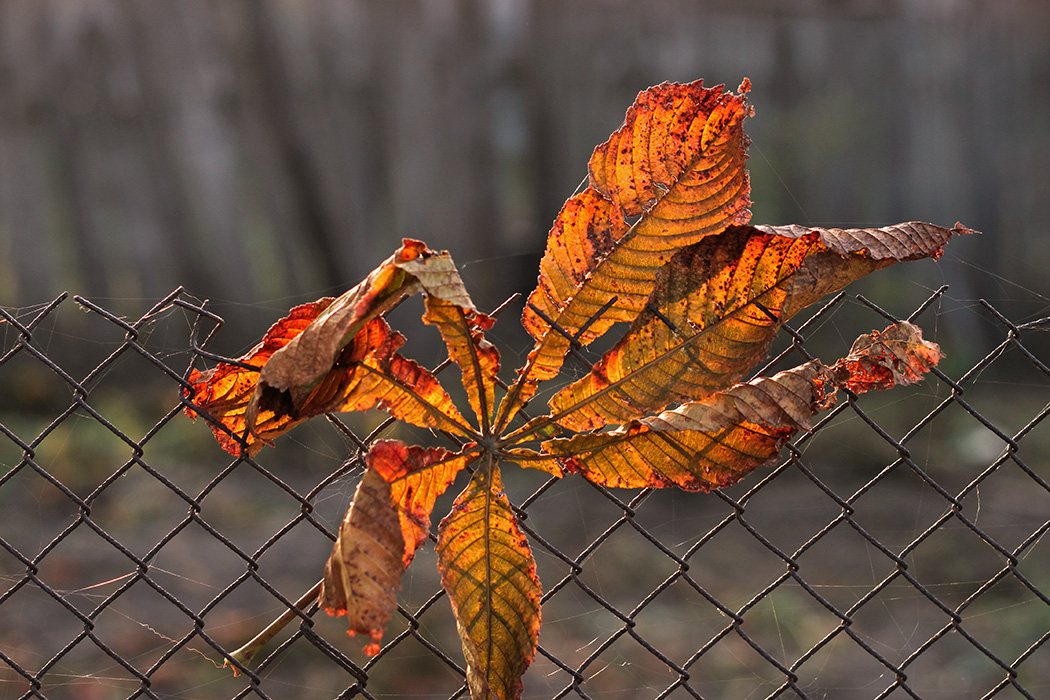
(386, 523)
(298, 357)
(363, 574)
(297, 368)
(490, 576)
(908, 241)
(224, 391)
(370, 373)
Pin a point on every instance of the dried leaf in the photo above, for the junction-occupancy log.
(702, 445)
(896, 356)
(907, 241)
(715, 442)
(295, 370)
(490, 576)
(369, 373)
(326, 356)
(531, 459)
(463, 331)
(677, 163)
(363, 573)
(386, 523)
(223, 392)
(717, 306)
(417, 476)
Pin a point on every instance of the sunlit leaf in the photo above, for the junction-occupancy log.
(363, 573)
(658, 239)
(370, 373)
(326, 357)
(386, 523)
(677, 164)
(463, 328)
(291, 375)
(881, 360)
(417, 476)
(489, 573)
(224, 391)
(702, 445)
(718, 305)
(531, 459)
(715, 442)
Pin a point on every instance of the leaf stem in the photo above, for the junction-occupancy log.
(245, 654)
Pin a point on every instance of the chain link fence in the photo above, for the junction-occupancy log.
(897, 551)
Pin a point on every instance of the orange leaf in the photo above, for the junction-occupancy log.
(715, 442)
(530, 459)
(703, 445)
(490, 576)
(677, 163)
(897, 355)
(329, 356)
(297, 368)
(224, 391)
(417, 476)
(478, 360)
(674, 137)
(717, 306)
(369, 373)
(386, 523)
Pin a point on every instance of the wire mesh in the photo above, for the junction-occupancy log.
(897, 551)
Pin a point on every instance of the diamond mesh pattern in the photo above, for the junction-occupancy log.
(898, 551)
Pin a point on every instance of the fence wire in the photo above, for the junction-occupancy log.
(897, 551)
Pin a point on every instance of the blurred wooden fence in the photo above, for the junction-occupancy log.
(274, 149)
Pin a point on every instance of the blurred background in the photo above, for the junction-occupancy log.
(271, 151)
(262, 153)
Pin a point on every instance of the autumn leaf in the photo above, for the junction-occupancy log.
(463, 328)
(715, 442)
(370, 373)
(489, 573)
(717, 306)
(659, 239)
(337, 355)
(363, 573)
(896, 356)
(386, 523)
(702, 445)
(289, 377)
(222, 393)
(677, 164)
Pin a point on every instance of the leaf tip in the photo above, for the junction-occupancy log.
(896, 356)
(411, 249)
(373, 646)
(960, 230)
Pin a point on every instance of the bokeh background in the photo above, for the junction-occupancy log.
(269, 151)
(264, 153)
